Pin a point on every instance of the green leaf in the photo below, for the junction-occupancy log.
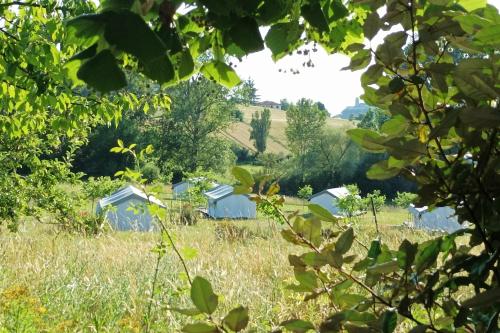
(385, 268)
(85, 54)
(375, 249)
(381, 171)
(284, 37)
(246, 35)
(203, 296)
(297, 325)
(372, 25)
(128, 32)
(102, 73)
(344, 242)
(395, 126)
(310, 229)
(349, 300)
(368, 139)
(186, 65)
(86, 27)
(237, 319)
(186, 312)
(313, 14)
(372, 74)
(360, 60)
(308, 281)
(314, 259)
(389, 321)
(243, 176)
(221, 73)
(396, 85)
(470, 5)
(200, 328)
(427, 254)
(339, 10)
(481, 117)
(406, 254)
(321, 213)
(484, 299)
(356, 316)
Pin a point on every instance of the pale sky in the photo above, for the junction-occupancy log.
(325, 82)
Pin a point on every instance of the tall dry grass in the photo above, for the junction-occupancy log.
(68, 283)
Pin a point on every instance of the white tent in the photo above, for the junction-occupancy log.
(180, 189)
(440, 218)
(328, 199)
(126, 209)
(223, 203)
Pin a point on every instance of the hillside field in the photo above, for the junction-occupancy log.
(53, 281)
(276, 143)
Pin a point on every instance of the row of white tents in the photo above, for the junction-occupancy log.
(126, 208)
(437, 219)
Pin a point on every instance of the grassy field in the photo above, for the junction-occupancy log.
(51, 281)
(276, 142)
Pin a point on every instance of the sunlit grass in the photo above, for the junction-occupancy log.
(103, 283)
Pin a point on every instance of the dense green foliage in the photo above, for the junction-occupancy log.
(260, 123)
(187, 137)
(245, 93)
(442, 134)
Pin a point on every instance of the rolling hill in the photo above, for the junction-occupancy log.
(276, 143)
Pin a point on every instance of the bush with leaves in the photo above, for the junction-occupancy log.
(404, 199)
(305, 192)
(374, 200)
(351, 204)
(150, 172)
(100, 187)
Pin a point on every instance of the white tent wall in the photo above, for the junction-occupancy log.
(326, 201)
(440, 218)
(126, 209)
(180, 189)
(131, 214)
(232, 206)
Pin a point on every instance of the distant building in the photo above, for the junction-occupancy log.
(269, 105)
(126, 209)
(351, 112)
(224, 203)
(328, 199)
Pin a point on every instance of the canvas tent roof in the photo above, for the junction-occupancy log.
(219, 192)
(124, 193)
(337, 192)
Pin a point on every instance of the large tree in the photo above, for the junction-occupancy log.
(44, 117)
(305, 124)
(261, 124)
(245, 93)
(189, 136)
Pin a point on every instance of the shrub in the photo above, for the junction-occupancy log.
(378, 201)
(188, 215)
(404, 199)
(352, 203)
(150, 172)
(100, 187)
(305, 192)
(91, 224)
